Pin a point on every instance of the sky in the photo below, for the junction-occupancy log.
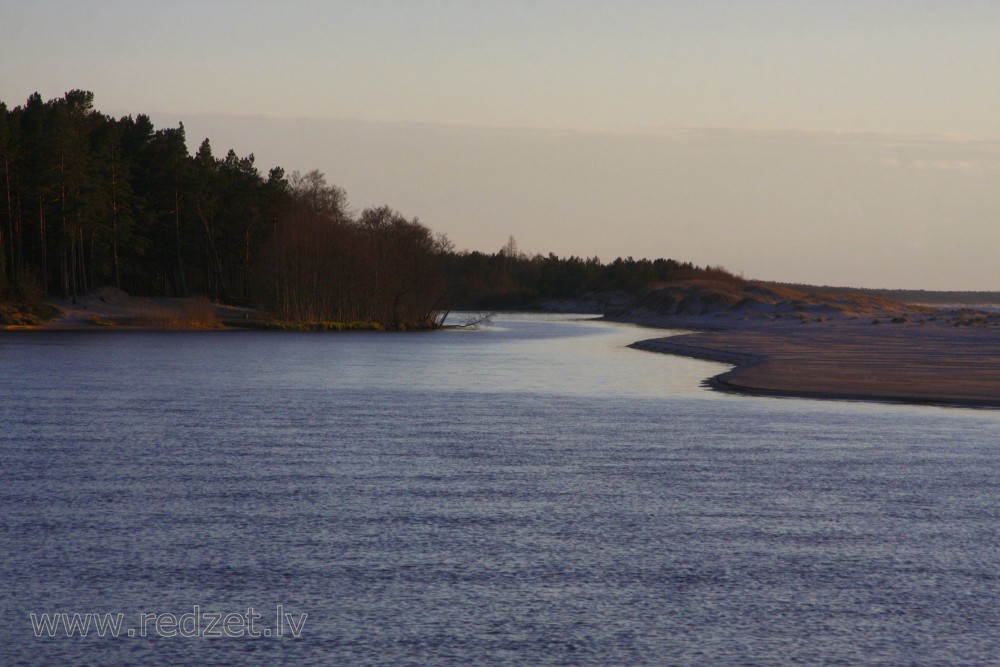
(845, 143)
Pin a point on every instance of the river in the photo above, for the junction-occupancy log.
(533, 492)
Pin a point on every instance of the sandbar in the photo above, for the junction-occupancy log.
(951, 359)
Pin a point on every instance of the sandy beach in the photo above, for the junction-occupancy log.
(951, 358)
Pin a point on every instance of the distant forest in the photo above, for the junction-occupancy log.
(91, 200)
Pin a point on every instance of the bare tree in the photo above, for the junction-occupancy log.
(312, 191)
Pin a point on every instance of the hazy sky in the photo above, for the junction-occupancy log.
(849, 142)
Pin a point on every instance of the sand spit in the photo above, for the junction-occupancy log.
(784, 342)
(947, 359)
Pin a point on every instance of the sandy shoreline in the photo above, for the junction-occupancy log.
(923, 362)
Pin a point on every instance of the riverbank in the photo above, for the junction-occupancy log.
(111, 308)
(943, 357)
(940, 358)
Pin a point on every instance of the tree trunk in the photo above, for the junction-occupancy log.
(181, 282)
(114, 223)
(42, 244)
(83, 264)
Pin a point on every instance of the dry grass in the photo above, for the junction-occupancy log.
(24, 314)
(187, 315)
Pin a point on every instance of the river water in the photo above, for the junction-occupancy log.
(530, 493)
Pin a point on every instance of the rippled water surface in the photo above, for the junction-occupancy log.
(532, 493)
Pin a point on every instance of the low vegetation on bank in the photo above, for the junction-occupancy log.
(753, 299)
(26, 314)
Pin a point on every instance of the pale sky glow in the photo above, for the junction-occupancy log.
(851, 142)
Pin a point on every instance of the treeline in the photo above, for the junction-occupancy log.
(90, 200)
(510, 279)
